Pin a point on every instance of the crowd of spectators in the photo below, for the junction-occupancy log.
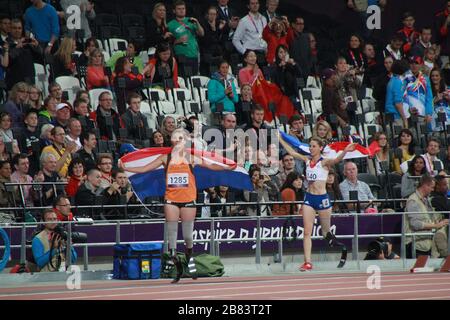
(48, 135)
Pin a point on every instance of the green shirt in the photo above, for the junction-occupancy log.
(112, 61)
(189, 49)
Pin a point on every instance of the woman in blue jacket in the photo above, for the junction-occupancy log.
(221, 89)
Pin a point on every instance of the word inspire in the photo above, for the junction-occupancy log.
(251, 233)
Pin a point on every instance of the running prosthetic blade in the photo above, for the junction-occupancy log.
(179, 268)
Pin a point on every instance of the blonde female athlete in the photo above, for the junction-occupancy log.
(316, 198)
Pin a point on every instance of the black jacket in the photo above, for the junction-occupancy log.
(135, 125)
(106, 132)
(90, 161)
(85, 197)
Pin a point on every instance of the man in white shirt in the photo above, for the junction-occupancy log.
(430, 157)
(248, 35)
(75, 128)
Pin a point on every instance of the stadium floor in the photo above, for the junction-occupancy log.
(345, 286)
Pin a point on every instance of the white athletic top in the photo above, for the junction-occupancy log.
(317, 172)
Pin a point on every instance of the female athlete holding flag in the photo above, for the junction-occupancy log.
(181, 192)
(316, 198)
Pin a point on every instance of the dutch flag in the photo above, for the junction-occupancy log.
(153, 183)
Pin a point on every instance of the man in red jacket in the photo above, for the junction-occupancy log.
(410, 35)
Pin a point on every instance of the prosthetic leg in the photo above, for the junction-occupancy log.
(177, 263)
(191, 263)
(334, 242)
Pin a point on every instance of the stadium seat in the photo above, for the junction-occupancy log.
(165, 107)
(182, 83)
(371, 180)
(313, 82)
(106, 19)
(315, 92)
(153, 91)
(112, 44)
(41, 78)
(175, 95)
(371, 117)
(69, 84)
(132, 20)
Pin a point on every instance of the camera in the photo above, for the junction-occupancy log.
(77, 237)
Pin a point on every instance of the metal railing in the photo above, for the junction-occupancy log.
(215, 243)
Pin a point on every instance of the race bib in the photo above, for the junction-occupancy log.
(178, 180)
(325, 203)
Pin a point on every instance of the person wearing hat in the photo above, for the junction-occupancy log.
(418, 97)
(62, 116)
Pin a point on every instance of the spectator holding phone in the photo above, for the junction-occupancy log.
(261, 186)
(95, 74)
(286, 73)
(221, 89)
(275, 34)
(162, 67)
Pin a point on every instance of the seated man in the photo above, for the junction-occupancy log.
(61, 206)
(88, 194)
(49, 248)
(422, 219)
(351, 183)
(135, 122)
(441, 203)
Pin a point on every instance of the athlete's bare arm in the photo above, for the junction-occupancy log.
(161, 160)
(291, 150)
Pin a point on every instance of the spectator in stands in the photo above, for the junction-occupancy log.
(48, 174)
(87, 194)
(409, 34)
(84, 94)
(134, 121)
(120, 187)
(8, 198)
(275, 34)
(21, 175)
(423, 43)
(104, 110)
(322, 130)
(416, 168)
(47, 114)
(162, 67)
(439, 197)
(422, 219)
(212, 43)
(133, 83)
(331, 100)
(334, 192)
(375, 164)
(288, 162)
(29, 140)
(286, 73)
(441, 98)
(296, 127)
(87, 154)
(48, 247)
(158, 29)
(95, 74)
(441, 22)
(406, 143)
(55, 91)
(5, 29)
(300, 46)
(17, 104)
(447, 160)
(394, 94)
(351, 183)
(131, 54)
(167, 127)
(228, 14)
(157, 139)
(77, 176)
(222, 90)
(347, 83)
(46, 135)
(61, 206)
(380, 84)
(62, 64)
(62, 116)
(62, 151)
(430, 61)
(245, 98)
(373, 68)
(251, 71)
(23, 52)
(248, 35)
(258, 124)
(185, 31)
(34, 97)
(394, 48)
(353, 54)
(4, 62)
(42, 20)
(431, 157)
(74, 129)
(81, 112)
(261, 187)
(5, 128)
(290, 191)
(87, 15)
(89, 45)
(105, 164)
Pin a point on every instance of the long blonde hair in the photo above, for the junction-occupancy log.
(65, 50)
(19, 86)
(326, 125)
(93, 54)
(155, 8)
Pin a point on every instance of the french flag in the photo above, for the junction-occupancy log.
(331, 151)
(153, 183)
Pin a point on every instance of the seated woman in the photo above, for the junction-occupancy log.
(322, 130)
(407, 145)
(77, 176)
(290, 191)
(34, 97)
(221, 89)
(95, 74)
(89, 46)
(162, 67)
(275, 34)
(383, 155)
(133, 83)
(416, 168)
(62, 64)
(286, 73)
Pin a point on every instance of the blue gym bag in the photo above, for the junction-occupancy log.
(137, 261)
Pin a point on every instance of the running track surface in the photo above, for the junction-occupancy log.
(346, 286)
